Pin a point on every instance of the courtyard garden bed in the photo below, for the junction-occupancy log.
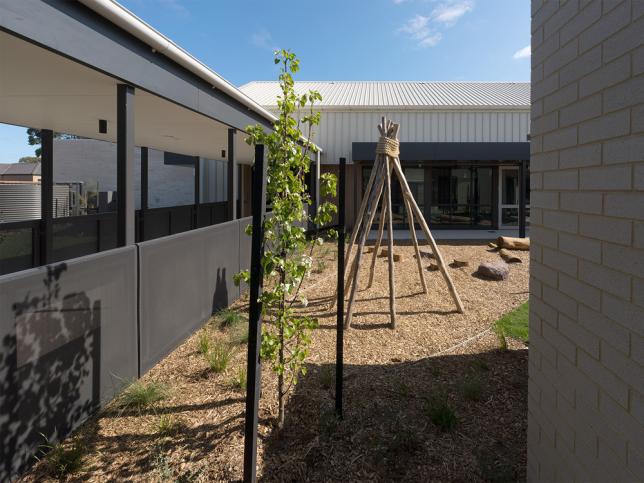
(436, 398)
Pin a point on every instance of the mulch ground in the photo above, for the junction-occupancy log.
(392, 381)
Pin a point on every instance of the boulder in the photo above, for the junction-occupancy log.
(493, 270)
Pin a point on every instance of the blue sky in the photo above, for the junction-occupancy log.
(341, 40)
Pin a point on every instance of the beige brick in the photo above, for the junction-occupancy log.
(607, 25)
(604, 328)
(584, 19)
(605, 228)
(605, 127)
(638, 235)
(560, 221)
(564, 55)
(560, 302)
(544, 162)
(604, 378)
(606, 178)
(546, 123)
(581, 247)
(561, 180)
(637, 349)
(638, 177)
(580, 111)
(544, 236)
(638, 61)
(588, 341)
(581, 66)
(582, 202)
(638, 292)
(587, 155)
(560, 261)
(623, 312)
(580, 291)
(626, 150)
(637, 119)
(616, 419)
(559, 98)
(625, 205)
(604, 278)
(625, 95)
(624, 40)
(624, 259)
(610, 74)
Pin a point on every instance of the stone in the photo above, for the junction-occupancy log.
(459, 263)
(493, 270)
(432, 268)
(424, 254)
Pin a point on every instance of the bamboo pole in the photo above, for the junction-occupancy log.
(390, 245)
(428, 235)
(376, 247)
(412, 232)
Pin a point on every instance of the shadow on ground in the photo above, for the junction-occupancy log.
(390, 432)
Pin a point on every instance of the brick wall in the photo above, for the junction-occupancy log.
(586, 389)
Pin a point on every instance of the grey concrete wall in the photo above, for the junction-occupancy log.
(184, 279)
(68, 343)
(586, 370)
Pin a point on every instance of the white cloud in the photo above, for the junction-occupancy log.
(398, 2)
(419, 30)
(523, 53)
(263, 40)
(448, 13)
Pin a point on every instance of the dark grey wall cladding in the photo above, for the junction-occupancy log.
(68, 342)
(184, 279)
(425, 151)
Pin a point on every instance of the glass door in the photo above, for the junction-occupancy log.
(509, 197)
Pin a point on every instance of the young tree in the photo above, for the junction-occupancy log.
(286, 335)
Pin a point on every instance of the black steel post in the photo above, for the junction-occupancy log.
(125, 164)
(339, 348)
(144, 191)
(195, 221)
(254, 371)
(522, 197)
(46, 195)
(232, 176)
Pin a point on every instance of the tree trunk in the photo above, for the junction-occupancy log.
(280, 377)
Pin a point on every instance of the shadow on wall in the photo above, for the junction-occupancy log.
(396, 427)
(49, 370)
(220, 295)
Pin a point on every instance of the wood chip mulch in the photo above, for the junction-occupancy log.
(391, 378)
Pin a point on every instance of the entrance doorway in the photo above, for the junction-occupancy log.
(509, 197)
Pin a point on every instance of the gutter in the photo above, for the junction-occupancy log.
(123, 18)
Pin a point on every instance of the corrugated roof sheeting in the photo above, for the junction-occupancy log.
(403, 94)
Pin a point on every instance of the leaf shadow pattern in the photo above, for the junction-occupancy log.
(49, 369)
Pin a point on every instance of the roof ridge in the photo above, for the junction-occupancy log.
(386, 82)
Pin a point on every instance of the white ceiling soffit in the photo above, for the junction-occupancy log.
(43, 90)
(400, 95)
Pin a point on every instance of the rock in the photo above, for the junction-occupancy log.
(508, 257)
(493, 270)
(432, 268)
(385, 253)
(369, 250)
(459, 263)
(397, 257)
(424, 254)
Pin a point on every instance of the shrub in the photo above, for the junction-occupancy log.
(440, 412)
(238, 334)
(139, 395)
(219, 356)
(203, 343)
(61, 460)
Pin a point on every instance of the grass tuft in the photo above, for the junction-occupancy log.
(219, 356)
(229, 318)
(441, 413)
(168, 424)
(62, 460)
(240, 380)
(139, 395)
(238, 334)
(203, 343)
(327, 377)
(472, 389)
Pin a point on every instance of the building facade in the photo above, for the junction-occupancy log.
(586, 364)
(462, 143)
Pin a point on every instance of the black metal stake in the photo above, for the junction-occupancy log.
(46, 195)
(339, 348)
(254, 370)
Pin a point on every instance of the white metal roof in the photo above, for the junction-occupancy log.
(402, 94)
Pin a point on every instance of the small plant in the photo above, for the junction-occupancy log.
(441, 413)
(203, 343)
(229, 318)
(219, 356)
(168, 425)
(238, 334)
(320, 266)
(500, 333)
(240, 380)
(472, 389)
(139, 395)
(62, 460)
(327, 377)
(480, 365)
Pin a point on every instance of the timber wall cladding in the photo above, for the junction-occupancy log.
(586, 383)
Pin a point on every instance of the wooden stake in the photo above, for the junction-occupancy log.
(412, 232)
(376, 247)
(355, 270)
(421, 219)
(390, 237)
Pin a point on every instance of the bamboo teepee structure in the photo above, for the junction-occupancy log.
(378, 192)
